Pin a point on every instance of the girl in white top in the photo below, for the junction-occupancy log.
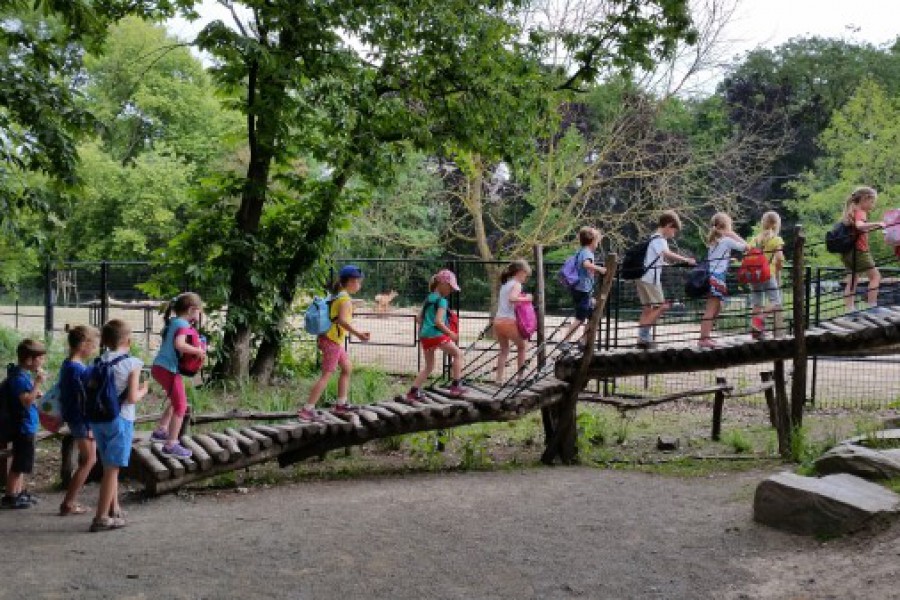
(721, 241)
(505, 328)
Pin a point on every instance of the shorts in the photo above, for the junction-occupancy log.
(22, 453)
(759, 292)
(717, 286)
(651, 294)
(583, 305)
(333, 354)
(79, 431)
(114, 441)
(506, 327)
(858, 261)
(173, 385)
(430, 343)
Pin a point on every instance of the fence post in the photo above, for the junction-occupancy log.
(48, 302)
(798, 384)
(718, 404)
(104, 292)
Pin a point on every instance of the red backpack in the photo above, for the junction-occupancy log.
(190, 364)
(754, 267)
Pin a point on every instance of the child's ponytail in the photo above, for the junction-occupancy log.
(853, 200)
(719, 224)
(180, 305)
(512, 269)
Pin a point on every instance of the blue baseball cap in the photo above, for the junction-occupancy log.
(350, 272)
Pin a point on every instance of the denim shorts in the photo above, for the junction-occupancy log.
(79, 430)
(114, 441)
(767, 289)
(583, 305)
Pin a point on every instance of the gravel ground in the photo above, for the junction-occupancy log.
(537, 533)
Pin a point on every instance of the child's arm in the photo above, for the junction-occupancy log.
(183, 347)
(136, 390)
(590, 266)
(673, 257)
(516, 295)
(29, 398)
(343, 320)
(441, 326)
(863, 226)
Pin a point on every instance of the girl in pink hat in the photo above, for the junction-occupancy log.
(436, 333)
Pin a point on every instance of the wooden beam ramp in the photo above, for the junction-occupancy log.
(290, 441)
(853, 334)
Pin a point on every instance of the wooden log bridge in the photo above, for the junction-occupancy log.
(263, 438)
(857, 333)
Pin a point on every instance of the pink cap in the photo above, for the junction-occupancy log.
(447, 276)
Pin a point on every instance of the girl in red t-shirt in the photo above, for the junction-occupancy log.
(859, 260)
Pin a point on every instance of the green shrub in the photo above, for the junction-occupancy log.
(738, 442)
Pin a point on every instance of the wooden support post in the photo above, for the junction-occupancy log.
(540, 306)
(68, 463)
(718, 403)
(766, 377)
(563, 442)
(798, 384)
(782, 413)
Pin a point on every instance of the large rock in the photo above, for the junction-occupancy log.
(885, 436)
(832, 505)
(858, 460)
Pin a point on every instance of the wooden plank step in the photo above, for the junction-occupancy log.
(200, 456)
(444, 410)
(294, 430)
(229, 443)
(265, 442)
(849, 324)
(437, 398)
(277, 435)
(212, 447)
(385, 415)
(173, 464)
(335, 424)
(248, 445)
(406, 413)
(157, 470)
(834, 328)
(371, 420)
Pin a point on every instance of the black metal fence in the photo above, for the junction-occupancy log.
(393, 292)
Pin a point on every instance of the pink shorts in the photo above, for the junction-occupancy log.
(332, 355)
(173, 384)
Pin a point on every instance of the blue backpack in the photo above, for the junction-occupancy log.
(568, 274)
(101, 403)
(317, 319)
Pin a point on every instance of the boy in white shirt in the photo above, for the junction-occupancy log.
(649, 286)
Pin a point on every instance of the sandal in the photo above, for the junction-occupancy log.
(71, 509)
(106, 524)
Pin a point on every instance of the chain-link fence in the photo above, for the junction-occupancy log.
(394, 290)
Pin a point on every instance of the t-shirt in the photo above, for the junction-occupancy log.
(167, 357)
(20, 383)
(585, 276)
(505, 308)
(336, 333)
(720, 254)
(70, 373)
(121, 371)
(432, 303)
(770, 248)
(862, 237)
(653, 261)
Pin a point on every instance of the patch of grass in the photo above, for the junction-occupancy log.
(474, 452)
(738, 441)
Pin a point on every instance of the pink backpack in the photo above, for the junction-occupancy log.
(526, 319)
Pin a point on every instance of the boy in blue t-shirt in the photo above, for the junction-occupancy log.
(21, 392)
(588, 269)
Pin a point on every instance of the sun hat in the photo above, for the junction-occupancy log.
(447, 276)
(350, 272)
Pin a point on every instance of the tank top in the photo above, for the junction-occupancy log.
(505, 308)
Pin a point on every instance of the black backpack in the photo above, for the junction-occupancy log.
(101, 402)
(633, 261)
(841, 239)
(10, 408)
(697, 283)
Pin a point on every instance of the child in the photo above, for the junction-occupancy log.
(72, 375)
(589, 238)
(505, 328)
(721, 241)
(435, 334)
(772, 247)
(857, 207)
(331, 344)
(23, 388)
(114, 437)
(187, 308)
(649, 286)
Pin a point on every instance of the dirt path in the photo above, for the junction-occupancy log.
(539, 533)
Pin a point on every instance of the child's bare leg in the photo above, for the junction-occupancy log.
(318, 388)
(850, 292)
(874, 281)
(709, 317)
(455, 354)
(422, 376)
(343, 391)
(502, 356)
(521, 349)
(109, 489)
(14, 483)
(87, 456)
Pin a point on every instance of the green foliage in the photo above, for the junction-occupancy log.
(426, 446)
(738, 441)
(593, 431)
(474, 452)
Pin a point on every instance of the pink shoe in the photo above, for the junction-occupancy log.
(706, 343)
(456, 391)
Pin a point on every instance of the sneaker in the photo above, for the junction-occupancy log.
(345, 408)
(160, 434)
(15, 502)
(177, 450)
(706, 343)
(455, 390)
(309, 415)
(29, 497)
(106, 524)
(412, 398)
